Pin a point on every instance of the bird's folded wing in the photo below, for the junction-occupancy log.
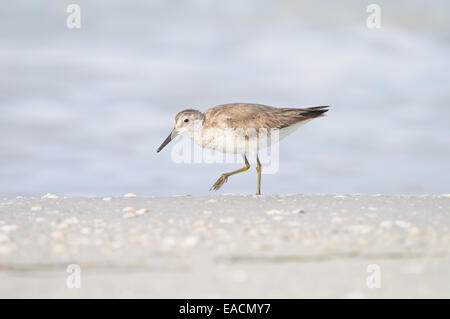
(257, 116)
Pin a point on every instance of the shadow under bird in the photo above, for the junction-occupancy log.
(241, 128)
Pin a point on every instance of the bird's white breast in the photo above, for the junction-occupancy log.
(240, 141)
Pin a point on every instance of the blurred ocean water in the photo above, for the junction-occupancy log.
(83, 111)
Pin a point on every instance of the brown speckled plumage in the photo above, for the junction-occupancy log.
(243, 115)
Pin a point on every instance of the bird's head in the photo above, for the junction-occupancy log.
(185, 122)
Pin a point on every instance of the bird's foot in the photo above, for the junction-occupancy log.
(218, 184)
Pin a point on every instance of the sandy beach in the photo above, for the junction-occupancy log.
(229, 246)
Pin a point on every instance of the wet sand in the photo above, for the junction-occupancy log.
(229, 246)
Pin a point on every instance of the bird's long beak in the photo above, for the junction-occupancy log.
(171, 136)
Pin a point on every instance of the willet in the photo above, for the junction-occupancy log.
(241, 128)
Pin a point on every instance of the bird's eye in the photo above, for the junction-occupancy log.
(186, 120)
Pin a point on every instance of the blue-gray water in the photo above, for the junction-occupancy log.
(82, 111)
